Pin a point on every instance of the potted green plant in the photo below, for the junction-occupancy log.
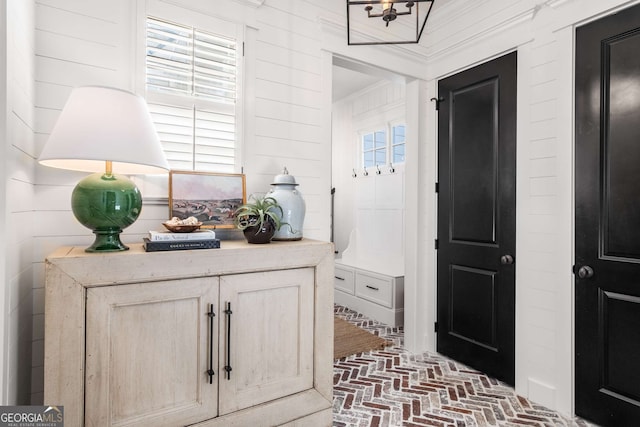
(259, 218)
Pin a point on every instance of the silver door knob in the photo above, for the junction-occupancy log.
(506, 259)
(585, 272)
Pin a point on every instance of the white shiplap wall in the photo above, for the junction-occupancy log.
(291, 115)
(4, 225)
(19, 179)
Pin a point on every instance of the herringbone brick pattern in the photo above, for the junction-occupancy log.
(393, 387)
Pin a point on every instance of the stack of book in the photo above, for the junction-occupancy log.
(168, 241)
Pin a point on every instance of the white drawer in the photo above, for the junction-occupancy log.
(375, 289)
(344, 279)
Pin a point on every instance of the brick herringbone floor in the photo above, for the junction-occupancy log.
(393, 387)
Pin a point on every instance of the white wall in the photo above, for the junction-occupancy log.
(343, 161)
(289, 123)
(369, 210)
(19, 177)
(4, 294)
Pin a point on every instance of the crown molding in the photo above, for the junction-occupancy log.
(442, 50)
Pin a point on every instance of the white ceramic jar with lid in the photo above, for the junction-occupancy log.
(283, 189)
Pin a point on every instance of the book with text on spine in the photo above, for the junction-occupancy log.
(177, 245)
(159, 236)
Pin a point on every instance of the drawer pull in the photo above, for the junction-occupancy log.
(339, 278)
(372, 287)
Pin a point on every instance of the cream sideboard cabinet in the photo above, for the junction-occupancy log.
(236, 336)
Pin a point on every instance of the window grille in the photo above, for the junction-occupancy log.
(374, 148)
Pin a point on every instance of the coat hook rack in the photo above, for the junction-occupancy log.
(365, 173)
(378, 171)
(391, 168)
(354, 174)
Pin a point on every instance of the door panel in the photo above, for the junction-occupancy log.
(265, 362)
(473, 213)
(473, 308)
(607, 286)
(476, 217)
(147, 354)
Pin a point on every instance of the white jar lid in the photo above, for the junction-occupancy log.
(284, 178)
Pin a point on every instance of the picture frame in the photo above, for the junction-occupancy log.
(212, 198)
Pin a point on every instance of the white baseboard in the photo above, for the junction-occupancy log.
(542, 393)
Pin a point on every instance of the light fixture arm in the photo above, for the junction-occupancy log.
(389, 13)
(388, 10)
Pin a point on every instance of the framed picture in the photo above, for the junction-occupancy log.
(212, 198)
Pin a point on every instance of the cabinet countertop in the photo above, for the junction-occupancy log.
(135, 265)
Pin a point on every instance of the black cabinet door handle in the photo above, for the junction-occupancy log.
(227, 367)
(211, 314)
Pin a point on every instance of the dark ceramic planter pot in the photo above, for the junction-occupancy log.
(257, 234)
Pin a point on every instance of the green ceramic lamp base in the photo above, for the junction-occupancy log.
(107, 241)
(107, 204)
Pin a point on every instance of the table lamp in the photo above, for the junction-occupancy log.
(105, 130)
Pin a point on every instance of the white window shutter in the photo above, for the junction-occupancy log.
(191, 91)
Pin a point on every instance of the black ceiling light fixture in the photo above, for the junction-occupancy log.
(368, 21)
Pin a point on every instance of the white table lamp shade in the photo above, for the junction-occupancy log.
(101, 124)
(107, 131)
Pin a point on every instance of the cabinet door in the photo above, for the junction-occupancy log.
(148, 352)
(267, 339)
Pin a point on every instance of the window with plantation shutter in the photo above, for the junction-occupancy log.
(191, 84)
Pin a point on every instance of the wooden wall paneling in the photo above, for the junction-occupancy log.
(83, 7)
(294, 131)
(288, 112)
(99, 29)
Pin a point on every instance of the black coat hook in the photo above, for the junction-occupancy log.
(438, 101)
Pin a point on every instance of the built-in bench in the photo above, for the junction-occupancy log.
(376, 294)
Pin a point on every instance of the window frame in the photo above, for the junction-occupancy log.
(392, 126)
